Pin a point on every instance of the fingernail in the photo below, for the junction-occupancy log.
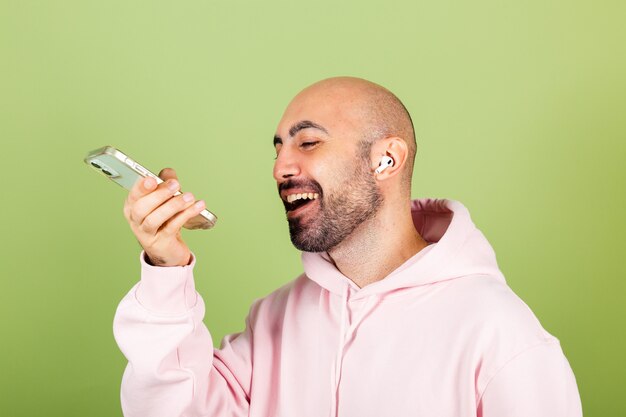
(188, 197)
(200, 204)
(172, 185)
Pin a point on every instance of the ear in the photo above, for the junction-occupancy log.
(393, 147)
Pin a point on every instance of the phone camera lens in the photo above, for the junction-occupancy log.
(96, 165)
(107, 172)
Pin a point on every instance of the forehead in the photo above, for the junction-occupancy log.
(333, 110)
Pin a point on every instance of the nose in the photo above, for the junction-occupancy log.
(286, 165)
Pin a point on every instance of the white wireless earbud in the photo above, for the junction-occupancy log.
(385, 162)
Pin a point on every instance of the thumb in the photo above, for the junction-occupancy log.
(168, 173)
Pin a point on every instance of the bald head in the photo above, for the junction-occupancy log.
(373, 111)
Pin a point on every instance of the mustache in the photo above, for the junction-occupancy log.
(307, 184)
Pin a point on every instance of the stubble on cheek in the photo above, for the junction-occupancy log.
(341, 210)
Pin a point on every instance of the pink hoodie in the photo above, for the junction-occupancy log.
(442, 335)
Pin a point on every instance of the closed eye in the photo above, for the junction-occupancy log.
(308, 145)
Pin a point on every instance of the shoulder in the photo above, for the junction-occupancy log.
(498, 325)
(493, 307)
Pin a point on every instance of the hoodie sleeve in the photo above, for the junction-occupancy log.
(537, 382)
(172, 368)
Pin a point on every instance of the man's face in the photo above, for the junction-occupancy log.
(323, 173)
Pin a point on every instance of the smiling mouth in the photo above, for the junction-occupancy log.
(294, 202)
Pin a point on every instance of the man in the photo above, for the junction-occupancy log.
(401, 310)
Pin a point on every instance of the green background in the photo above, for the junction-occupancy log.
(519, 112)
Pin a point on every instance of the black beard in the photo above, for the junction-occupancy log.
(340, 213)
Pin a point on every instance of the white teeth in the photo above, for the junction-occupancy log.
(293, 197)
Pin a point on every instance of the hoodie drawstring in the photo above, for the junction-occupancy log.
(345, 339)
(338, 356)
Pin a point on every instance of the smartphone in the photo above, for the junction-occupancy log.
(119, 168)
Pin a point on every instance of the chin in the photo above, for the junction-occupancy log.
(311, 238)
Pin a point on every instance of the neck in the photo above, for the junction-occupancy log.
(379, 246)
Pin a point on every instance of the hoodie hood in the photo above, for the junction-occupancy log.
(456, 249)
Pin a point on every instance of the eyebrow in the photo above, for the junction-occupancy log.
(304, 124)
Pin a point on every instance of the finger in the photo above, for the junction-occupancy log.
(168, 173)
(176, 223)
(166, 211)
(142, 187)
(149, 202)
